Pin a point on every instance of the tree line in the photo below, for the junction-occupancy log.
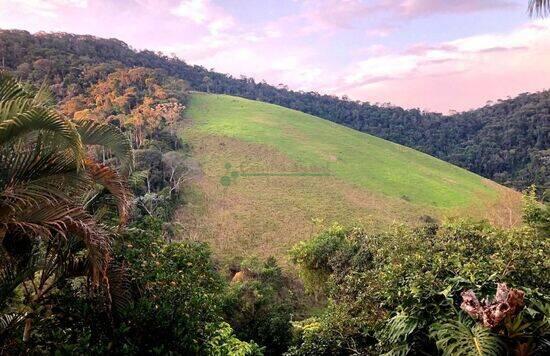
(507, 141)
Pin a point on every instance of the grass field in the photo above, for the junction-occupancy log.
(268, 173)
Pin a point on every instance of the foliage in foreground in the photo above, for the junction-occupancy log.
(172, 304)
(53, 196)
(258, 304)
(399, 292)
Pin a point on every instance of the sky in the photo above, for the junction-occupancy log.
(437, 55)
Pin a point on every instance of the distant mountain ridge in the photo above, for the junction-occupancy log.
(508, 142)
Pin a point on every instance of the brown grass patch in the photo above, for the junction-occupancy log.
(262, 216)
(505, 211)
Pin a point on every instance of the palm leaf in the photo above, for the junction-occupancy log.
(463, 337)
(41, 119)
(37, 176)
(13, 271)
(13, 107)
(64, 219)
(110, 137)
(44, 96)
(7, 321)
(539, 7)
(22, 113)
(9, 87)
(10, 278)
(119, 286)
(109, 179)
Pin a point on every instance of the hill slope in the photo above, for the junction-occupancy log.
(268, 172)
(508, 142)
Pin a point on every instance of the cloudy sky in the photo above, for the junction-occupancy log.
(433, 54)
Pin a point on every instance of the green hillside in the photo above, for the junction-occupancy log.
(266, 169)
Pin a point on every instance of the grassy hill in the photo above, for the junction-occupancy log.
(269, 176)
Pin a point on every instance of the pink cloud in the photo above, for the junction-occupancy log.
(381, 31)
(328, 17)
(414, 8)
(204, 12)
(422, 48)
(335, 13)
(459, 74)
(303, 49)
(503, 49)
(331, 16)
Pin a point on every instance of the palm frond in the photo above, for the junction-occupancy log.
(7, 321)
(41, 119)
(110, 137)
(109, 179)
(44, 96)
(76, 266)
(13, 107)
(9, 87)
(64, 219)
(13, 271)
(463, 337)
(119, 286)
(22, 113)
(10, 278)
(31, 177)
(539, 8)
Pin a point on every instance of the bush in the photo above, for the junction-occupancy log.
(259, 307)
(176, 292)
(222, 342)
(166, 298)
(386, 290)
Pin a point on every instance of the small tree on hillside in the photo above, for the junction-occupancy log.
(207, 83)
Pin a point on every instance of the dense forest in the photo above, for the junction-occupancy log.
(507, 141)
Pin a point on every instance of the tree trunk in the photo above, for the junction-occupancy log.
(28, 327)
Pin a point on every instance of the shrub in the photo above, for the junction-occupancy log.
(259, 308)
(176, 292)
(222, 342)
(387, 290)
(167, 298)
